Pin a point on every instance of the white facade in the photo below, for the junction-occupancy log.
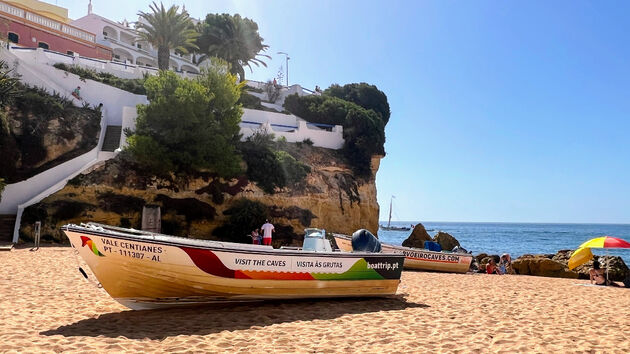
(291, 127)
(127, 47)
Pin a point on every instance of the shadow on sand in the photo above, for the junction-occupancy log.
(159, 324)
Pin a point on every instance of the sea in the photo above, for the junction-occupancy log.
(515, 238)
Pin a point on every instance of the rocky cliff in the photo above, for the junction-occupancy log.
(330, 197)
(39, 131)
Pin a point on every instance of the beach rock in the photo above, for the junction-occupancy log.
(617, 268)
(417, 237)
(542, 265)
(480, 257)
(446, 241)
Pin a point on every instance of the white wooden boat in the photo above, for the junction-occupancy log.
(418, 259)
(144, 270)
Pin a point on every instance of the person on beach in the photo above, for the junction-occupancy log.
(598, 276)
(505, 264)
(256, 237)
(491, 267)
(267, 229)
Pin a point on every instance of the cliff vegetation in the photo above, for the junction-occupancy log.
(38, 130)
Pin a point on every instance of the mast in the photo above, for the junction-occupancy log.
(390, 211)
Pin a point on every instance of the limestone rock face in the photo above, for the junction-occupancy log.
(116, 191)
(446, 241)
(417, 237)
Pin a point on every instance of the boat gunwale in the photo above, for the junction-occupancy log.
(214, 245)
(404, 248)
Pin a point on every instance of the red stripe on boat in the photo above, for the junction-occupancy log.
(209, 262)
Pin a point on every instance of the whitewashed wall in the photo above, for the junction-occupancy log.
(128, 122)
(291, 127)
(121, 70)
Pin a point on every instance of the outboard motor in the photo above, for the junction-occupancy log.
(364, 241)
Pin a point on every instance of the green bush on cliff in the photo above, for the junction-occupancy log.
(268, 167)
(363, 129)
(130, 85)
(365, 95)
(189, 124)
(8, 85)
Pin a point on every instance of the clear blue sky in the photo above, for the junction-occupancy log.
(501, 111)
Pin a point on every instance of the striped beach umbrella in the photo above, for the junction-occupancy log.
(606, 242)
(583, 254)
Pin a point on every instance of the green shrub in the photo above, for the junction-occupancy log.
(268, 167)
(8, 85)
(189, 124)
(244, 216)
(130, 85)
(365, 95)
(250, 101)
(253, 89)
(363, 129)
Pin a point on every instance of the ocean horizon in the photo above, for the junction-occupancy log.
(517, 239)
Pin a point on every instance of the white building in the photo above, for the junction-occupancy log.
(125, 44)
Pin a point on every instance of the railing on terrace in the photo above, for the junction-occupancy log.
(47, 22)
(123, 66)
(152, 52)
(326, 127)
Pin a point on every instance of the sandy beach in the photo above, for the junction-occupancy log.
(46, 305)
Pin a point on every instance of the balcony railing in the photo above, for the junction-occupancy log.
(47, 22)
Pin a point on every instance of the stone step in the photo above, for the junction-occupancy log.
(111, 141)
(7, 223)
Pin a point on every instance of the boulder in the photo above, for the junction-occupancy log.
(617, 268)
(446, 241)
(417, 237)
(542, 265)
(483, 260)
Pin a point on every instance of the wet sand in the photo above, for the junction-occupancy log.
(46, 305)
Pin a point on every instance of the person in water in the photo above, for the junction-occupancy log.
(598, 277)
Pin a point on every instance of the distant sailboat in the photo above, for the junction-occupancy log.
(389, 221)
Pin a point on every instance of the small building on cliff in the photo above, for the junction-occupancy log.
(125, 44)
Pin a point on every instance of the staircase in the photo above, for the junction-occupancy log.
(111, 141)
(7, 222)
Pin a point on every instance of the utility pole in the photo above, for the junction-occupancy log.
(286, 55)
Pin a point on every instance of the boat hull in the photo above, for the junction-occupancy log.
(144, 273)
(419, 259)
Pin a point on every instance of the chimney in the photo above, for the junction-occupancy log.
(90, 8)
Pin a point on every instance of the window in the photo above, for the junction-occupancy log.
(105, 34)
(42, 45)
(13, 37)
(116, 56)
(70, 52)
(139, 45)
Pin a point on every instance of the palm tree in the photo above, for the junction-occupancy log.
(233, 39)
(167, 30)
